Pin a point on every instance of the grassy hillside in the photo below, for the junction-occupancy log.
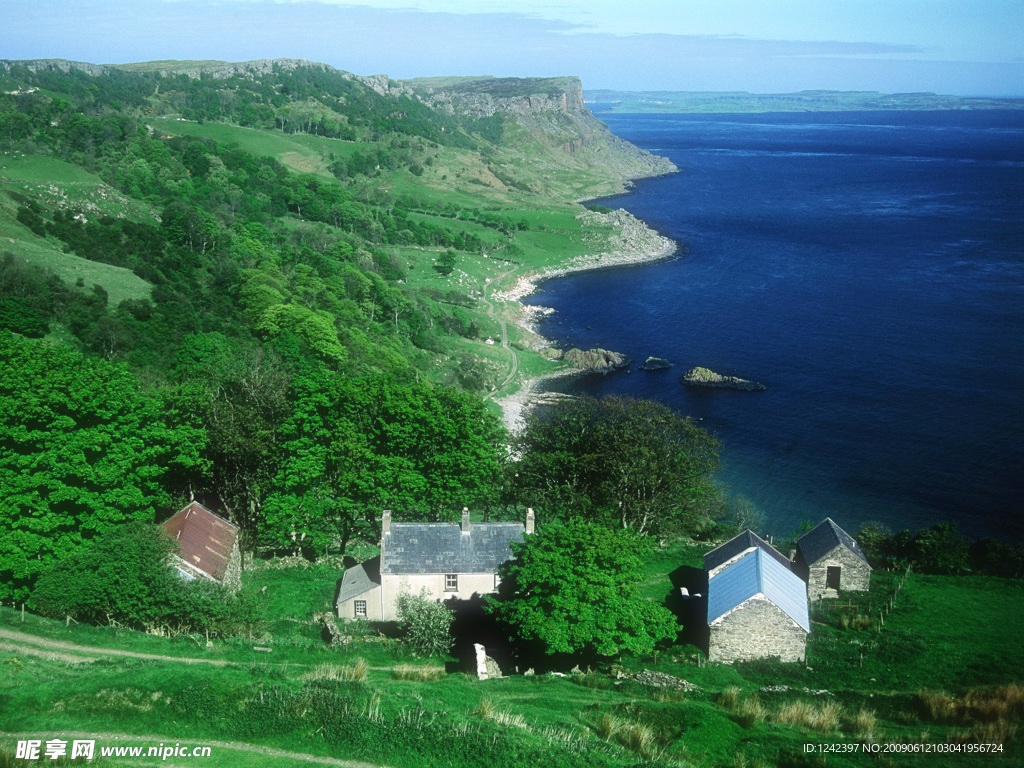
(931, 677)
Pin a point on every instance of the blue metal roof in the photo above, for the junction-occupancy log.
(736, 545)
(758, 573)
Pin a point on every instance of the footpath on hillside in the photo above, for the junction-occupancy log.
(238, 746)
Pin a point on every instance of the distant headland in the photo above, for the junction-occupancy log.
(803, 101)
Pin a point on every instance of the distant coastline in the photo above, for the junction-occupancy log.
(739, 102)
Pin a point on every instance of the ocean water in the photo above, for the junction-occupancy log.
(869, 269)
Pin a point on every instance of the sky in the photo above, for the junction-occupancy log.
(961, 47)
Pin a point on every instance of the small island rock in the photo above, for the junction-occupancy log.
(702, 377)
(596, 360)
(655, 364)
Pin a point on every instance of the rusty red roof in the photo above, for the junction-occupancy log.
(206, 540)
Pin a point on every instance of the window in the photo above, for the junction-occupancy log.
(832, 577)
(360, 609)
(451, 582)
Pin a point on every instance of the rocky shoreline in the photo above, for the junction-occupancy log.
(635, 243)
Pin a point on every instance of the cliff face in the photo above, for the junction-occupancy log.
(552, 111)
(515, 96)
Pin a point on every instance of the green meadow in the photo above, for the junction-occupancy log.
(932, 677)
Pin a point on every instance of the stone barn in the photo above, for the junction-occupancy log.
(208, 546)
(830, 560)
(757, 609)
(722, 556)
(448, 560)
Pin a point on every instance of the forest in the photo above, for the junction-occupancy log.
(275, 353)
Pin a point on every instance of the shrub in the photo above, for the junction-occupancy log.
(124, 577)
(823, 718)
(350, 673)
(418, 674)
(863, 724)
(749, 712)
(426, 624)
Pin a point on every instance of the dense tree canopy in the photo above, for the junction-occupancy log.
(618, 461)
(354, 447)
(126, 575)
(572, 588)
(82, 451)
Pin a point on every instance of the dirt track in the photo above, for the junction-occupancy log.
(124, 739)
(31, 645)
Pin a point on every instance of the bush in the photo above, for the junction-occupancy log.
(124, 576)
(426, 624)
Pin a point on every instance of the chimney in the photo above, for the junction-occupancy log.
(530, 520)
(385, 522)
(465, 519)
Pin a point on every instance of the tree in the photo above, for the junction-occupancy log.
(572, 588)
(446, 262)
(618, 461)
(122, 575)
(940, 549)
(83, 449)
(239, 393)
(125, 576)
(352, 447)
(426, 625)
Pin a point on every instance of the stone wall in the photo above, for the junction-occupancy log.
(233, 573)
(854, 576)
(756, 629)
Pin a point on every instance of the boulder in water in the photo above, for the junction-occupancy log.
(702, 377)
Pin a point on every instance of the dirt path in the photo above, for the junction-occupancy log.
(152, 741)
(39, 646)
(57, 650)
(504, 337)
(39, 653)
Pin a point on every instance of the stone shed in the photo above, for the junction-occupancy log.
(829, 559)
(757, 609)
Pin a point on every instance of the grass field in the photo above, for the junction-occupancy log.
(63, 185)
(931, 678)
(306, 154)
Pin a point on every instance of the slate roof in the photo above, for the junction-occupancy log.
(359, 579)
(758, 573)
(206, 540)
(738, 544)
(822, 539)
(444, 548)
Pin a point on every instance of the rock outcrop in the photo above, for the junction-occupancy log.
(655, 364)
(702, 377)
(596, 360)
(550, 109)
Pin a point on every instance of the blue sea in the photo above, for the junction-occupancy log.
(869, 269)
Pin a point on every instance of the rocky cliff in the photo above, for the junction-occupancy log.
(552, 111)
